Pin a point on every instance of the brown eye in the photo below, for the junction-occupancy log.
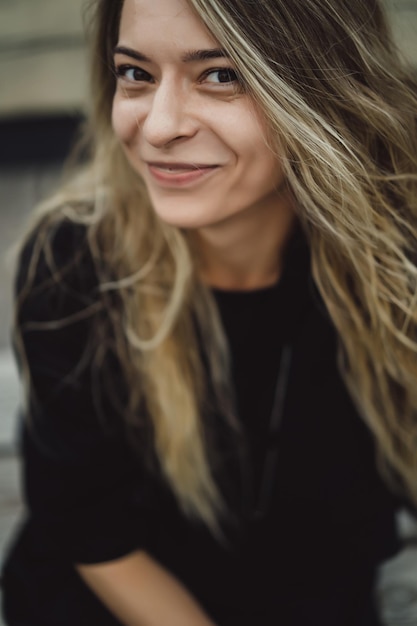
(133, 73)
(221, 76)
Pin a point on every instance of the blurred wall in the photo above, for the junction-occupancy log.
(42, 57)
(403, 15)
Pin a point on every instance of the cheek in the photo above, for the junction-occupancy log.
(250, 145)
(265, 165)
(269, 167)
(261, 175)
(259, 167)
(125, 120)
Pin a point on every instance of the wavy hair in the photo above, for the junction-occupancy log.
(341, 110)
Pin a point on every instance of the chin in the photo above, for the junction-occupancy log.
(184, 223)
(186, 217)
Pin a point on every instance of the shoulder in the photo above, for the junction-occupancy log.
(55, 271)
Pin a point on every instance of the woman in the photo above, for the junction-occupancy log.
(191, 453)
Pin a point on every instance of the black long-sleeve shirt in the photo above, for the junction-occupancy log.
(310, 560)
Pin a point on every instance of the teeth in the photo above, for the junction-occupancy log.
(177, 170)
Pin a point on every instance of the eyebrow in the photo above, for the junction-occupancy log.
(187, 57)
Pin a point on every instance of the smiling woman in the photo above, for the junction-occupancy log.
(193, 134)
(216, 324)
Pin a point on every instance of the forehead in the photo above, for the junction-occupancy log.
(162, 22)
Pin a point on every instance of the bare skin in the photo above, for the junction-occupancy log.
(246, 253)
(139, 592)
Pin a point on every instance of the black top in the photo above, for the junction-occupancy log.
(309, 560)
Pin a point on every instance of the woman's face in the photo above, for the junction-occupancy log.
(186, 126)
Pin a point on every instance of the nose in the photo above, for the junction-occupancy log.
(168, 116)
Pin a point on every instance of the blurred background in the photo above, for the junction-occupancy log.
(43, 86)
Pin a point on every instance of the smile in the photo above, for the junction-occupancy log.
(179, 174)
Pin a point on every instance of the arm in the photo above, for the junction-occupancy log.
(140, 592)
(79, 477)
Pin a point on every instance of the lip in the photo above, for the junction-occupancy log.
(169, 174)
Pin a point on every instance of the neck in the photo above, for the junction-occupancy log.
(246, 252)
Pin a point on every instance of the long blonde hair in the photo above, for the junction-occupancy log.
(341, 109)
